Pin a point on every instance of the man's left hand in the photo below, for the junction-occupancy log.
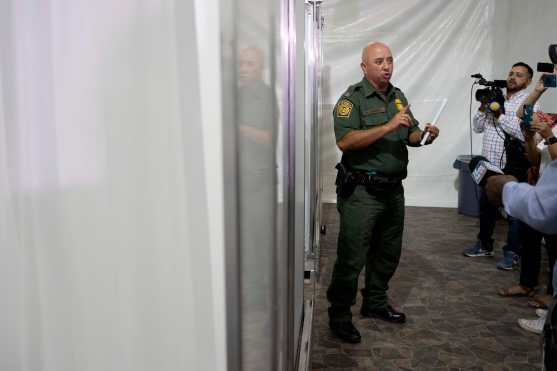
(494, 188)
(433, 133)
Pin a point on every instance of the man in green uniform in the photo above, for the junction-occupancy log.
(373, 125)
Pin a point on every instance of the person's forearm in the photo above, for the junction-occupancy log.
(515, 198)
(532, 152)
(530, 100)
(534, 205)
(552, 151)
(360, 139)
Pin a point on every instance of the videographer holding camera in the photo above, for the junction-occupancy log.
(497, 120)
(536, 206)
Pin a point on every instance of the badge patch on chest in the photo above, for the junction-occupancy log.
(344, 108)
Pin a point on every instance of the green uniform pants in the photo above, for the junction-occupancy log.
(371, 226)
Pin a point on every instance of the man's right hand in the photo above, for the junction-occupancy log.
(540, 87)
(402, 118)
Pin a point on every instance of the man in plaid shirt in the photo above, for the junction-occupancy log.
(493, 125)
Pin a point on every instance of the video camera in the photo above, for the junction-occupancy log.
(549, 79)
(492, 96)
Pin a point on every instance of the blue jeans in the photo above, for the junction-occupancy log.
(513, 236)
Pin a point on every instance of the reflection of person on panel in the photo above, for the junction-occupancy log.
(256, 114)
(255, 97)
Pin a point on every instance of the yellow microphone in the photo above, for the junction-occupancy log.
(398, 104)
(494, 106)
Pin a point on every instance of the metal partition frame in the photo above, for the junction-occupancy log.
(286, 274)
(230, 188)
(313, 98)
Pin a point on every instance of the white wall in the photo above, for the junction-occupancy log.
(523, 32)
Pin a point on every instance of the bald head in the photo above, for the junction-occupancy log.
(377, 65)
(251, 60)
(373, 48)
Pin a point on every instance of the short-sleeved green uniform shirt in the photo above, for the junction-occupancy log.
(362, 107)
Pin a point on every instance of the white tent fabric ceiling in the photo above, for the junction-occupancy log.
(437, 45)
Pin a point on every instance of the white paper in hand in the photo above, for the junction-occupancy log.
(434, 122)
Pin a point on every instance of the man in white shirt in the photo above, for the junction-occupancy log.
(494, 125)
(533, 205)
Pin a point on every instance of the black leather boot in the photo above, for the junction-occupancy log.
(388, 314)
(346, 331)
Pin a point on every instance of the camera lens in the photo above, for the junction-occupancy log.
(483, 95)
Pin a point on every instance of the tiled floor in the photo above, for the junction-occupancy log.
(456, 321)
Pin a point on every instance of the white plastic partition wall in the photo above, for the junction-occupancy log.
(437, 45)
(109, 230)
(114, 210)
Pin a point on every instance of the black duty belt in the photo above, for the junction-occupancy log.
(347, 179)
(366, 179)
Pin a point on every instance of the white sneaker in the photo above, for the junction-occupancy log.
(541, 313)
(532, 325)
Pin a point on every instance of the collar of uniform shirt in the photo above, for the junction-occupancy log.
(370, 89)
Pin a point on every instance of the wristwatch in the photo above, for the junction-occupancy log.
(549, 141)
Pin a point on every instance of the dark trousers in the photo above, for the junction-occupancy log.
(488, 218)
(531, 256)
(371, 226)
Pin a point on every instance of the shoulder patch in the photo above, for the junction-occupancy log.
(344, 108)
